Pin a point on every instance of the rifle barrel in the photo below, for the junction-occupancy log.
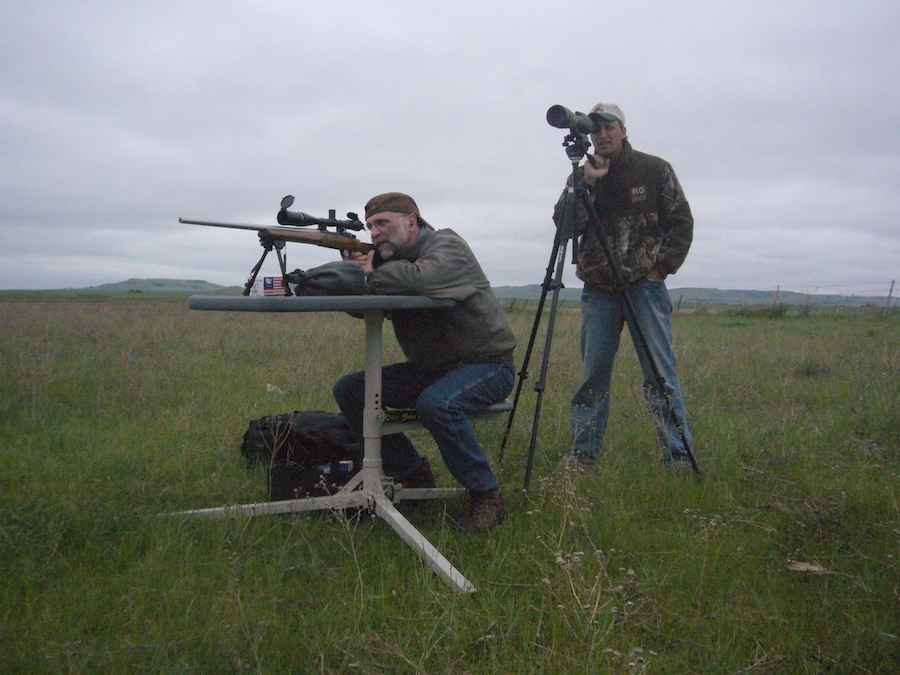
(235, 226)
(326, 239)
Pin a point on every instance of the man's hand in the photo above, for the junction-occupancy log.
(595, 168)
(364, 260)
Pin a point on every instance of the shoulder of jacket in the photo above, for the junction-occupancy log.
(646, 158)
(447, 236)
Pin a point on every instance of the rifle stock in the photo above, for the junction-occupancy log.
(327, 239)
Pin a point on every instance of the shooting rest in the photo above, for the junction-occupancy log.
(369, 488)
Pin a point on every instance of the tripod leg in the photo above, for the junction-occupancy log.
(564, 232)
(641, 342)
(541, 384)
(523, 373)
(552, 282)
(661, 384)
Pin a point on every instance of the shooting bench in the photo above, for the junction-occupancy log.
(369, 488)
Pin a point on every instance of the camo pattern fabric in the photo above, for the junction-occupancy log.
(644, 214)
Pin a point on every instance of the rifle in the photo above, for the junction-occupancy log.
(271, 237)
(342, 242)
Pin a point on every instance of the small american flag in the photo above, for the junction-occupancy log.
(273, 286)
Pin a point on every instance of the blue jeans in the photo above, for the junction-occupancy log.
(603, 317)
(443, 402)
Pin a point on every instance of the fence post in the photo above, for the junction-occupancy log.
(887, 306)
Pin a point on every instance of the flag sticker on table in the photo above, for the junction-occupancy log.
(273, 286)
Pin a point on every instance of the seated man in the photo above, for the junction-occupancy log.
(459, 359)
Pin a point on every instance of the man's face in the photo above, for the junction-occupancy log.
(609, 139)
(392, 232)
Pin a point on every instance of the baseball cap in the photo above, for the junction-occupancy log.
(397, 202)
(609, 112)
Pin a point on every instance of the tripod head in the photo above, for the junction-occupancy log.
(576, 145)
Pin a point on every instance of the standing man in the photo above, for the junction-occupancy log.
(460, 360)
(649, 227)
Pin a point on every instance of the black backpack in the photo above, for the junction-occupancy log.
(306, 453)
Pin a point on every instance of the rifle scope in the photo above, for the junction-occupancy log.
(286, 217)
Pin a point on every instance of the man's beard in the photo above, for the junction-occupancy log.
(387, 252)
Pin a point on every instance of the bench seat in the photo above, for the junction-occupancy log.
(401, 420)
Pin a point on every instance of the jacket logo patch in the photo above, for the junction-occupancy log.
(638, 194)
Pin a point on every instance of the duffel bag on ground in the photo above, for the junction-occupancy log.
(306, 453)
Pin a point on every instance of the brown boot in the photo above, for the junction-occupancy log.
(420, 477)
(486, 510)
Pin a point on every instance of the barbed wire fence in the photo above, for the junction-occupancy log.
(880, 294)
(865, 290)
(876, 293)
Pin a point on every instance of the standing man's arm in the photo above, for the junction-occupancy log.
(678, 224)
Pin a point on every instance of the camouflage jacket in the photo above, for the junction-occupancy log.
(441, 265)
(647, 219)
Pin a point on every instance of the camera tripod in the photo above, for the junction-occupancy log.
(576, 144)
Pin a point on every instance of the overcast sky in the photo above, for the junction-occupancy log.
(779, 117)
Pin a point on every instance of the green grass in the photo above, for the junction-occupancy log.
(115, 409)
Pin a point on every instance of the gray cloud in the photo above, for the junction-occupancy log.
(117, 118)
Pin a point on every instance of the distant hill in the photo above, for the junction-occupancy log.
(163, 286)
(711, 296)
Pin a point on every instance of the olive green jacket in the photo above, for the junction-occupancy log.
(441, 265)
(645, 215)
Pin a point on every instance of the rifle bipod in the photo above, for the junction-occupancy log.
(268, 243)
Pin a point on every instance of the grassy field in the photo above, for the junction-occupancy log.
(784, 558)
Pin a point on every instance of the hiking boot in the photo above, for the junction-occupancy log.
(486, 510)
(420, 477)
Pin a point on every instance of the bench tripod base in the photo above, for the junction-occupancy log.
(367, 490)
